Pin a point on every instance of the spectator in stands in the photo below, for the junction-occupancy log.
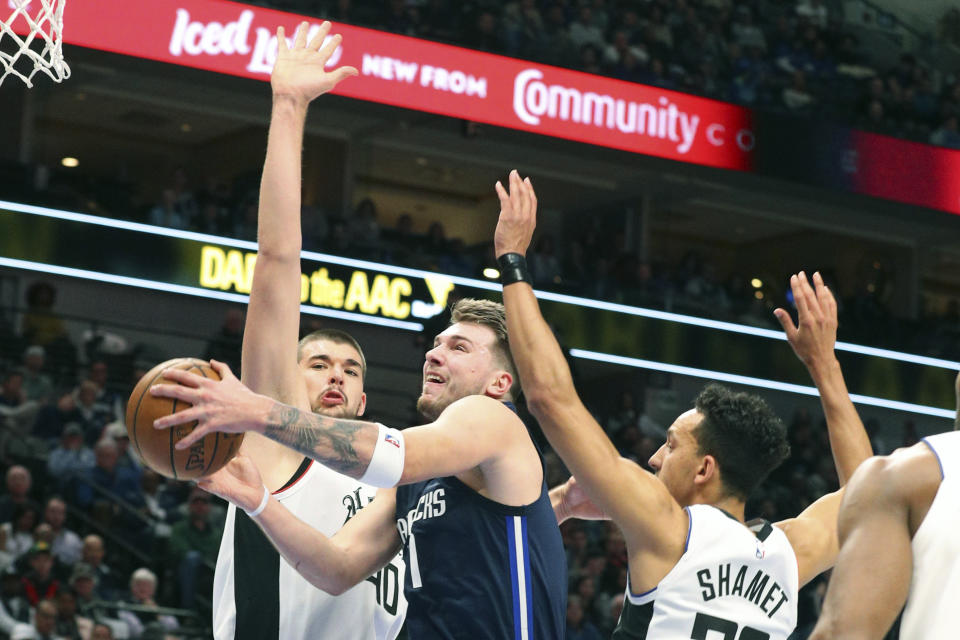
(227, 343)
(11, 390)
(797, 96)
(814, 11)
(364, 229)
(93, 554)
(71, 458)
(66, 545)
(558, 47)
(578, 627)
(83, 406)
(117, 431)
(14, 607)
(946, 134)
(37, 385)
(168, 212)
(40, 325)
(121, 482)
(44, 624)
(39, 582)
(523, 28)
(19, 483)
(745, 33)
(71, 625)
(583, 30)
(107, 393)
(158, 504)
(83, 582)
(101, 632)
(486, 33)
(143, 587)
(194, 543)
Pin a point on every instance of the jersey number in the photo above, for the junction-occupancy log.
(704, 624)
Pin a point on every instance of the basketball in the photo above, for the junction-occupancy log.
(156, 446)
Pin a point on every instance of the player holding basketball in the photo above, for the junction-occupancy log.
(471, 512)
(898, 536)
(695, 569)
(257, 594)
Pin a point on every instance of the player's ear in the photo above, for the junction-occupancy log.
(363, 404)
(707, 470)
(500, 385)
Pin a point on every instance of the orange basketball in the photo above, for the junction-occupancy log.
(156, 446)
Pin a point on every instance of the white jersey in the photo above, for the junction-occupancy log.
(258, 595)
(935, 585)
(732, 582)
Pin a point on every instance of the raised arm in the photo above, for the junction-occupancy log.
(650, 518)
(273, 316)
(473, 432)
(813, 340)
(813, 533)
(886, 501)
(366, 543)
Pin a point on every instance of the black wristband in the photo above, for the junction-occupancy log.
(513, 268)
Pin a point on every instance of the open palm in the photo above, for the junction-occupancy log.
(300, 71)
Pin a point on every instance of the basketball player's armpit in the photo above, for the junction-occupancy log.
(342, 445)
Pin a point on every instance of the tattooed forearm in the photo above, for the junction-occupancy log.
(329, 441)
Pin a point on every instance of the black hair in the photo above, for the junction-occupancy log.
(744, 436)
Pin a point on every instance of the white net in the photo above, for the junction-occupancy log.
(31, 40)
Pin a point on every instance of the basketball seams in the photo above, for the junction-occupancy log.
(141, 410)
(136, 412)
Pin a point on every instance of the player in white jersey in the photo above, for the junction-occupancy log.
(695, 569)
(898, 534)
(257, 594)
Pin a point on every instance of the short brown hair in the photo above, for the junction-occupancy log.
(338, 337)
(492, 315)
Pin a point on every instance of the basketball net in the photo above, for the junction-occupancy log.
(43, 26)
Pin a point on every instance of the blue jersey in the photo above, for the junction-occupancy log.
(478, 569)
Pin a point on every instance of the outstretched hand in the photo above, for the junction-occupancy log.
(576, 503)
(518, 216)
(225, 405)
(238, 482)
(815, 334)
(300, 70)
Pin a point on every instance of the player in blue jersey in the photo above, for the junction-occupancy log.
(472, 513)
(696, 570)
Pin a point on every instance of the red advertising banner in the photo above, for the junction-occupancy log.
(238, 39)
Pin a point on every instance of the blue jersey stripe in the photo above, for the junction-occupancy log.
(515, 591)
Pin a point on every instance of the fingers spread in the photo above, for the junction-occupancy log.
(317, 41)
(786, 322)
(182, 377)
(502, 194)
(300, 39)
(191, 438)
(174, 419)
(174, 391)
(329, 46)
(281, 40)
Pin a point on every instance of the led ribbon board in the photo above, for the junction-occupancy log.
(237, 39)
(140, 255)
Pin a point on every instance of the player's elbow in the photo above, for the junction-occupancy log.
(547, 400)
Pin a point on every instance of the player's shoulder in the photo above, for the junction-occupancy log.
(904, 473)
(485, 408)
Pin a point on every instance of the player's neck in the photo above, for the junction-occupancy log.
(733, 506)
(276, 462)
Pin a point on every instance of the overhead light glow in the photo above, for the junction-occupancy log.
(757, 382)
(600, 305)
(491, 273)
(756, 283)
(70, 162)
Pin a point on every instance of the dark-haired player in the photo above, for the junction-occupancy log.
(696, 570)
(256, 593)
